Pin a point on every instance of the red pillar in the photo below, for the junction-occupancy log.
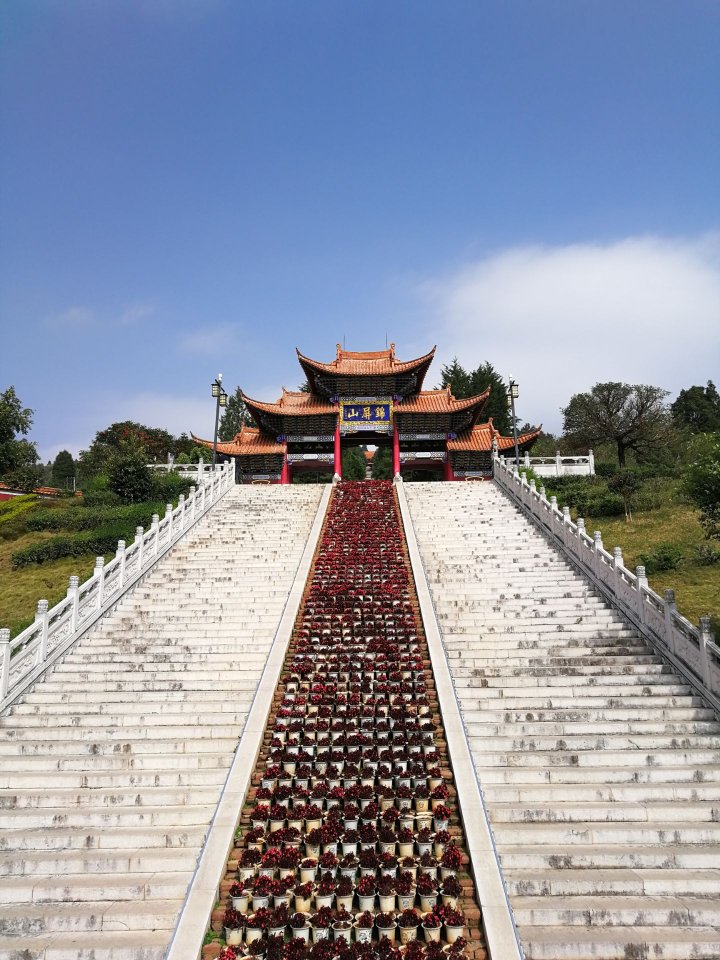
(447, 467)
(396, 450)
(285, 473)
(338, 451)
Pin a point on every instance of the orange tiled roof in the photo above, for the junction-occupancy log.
(249, 441)
(294, 404)
(369, 364)
(480, 437)
(41, 491)
(440, 401)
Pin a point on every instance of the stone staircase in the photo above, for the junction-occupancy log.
(600, 766)
(111, 768)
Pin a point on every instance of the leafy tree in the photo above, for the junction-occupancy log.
(465, 384)
(702, 482)
(626, 483)
(304, 387)
(128, 474)
(156, 442)
(382, 464)
(15, 422)
(631, 416)
(353, 464)
(234, 416)
(63, 468)
(697, 409)
(25, 478)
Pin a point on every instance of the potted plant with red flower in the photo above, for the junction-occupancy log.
(320, 923)
(299, 926)
(385, 923)
(234, 923)
(408, 923)
(364, 923)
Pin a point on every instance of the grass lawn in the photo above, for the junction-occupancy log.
(697, 588)
(21, 589)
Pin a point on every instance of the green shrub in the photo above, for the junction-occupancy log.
(601, 504)
(665, 556)
(129, 477)
(9, 509)
(167, 487)
(605, 469)
(100, 498)
(73, 545)
(84, 518)
(706, 555)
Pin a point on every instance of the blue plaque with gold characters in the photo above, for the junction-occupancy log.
(365, 413)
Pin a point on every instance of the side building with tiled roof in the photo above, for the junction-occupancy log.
(371, 398)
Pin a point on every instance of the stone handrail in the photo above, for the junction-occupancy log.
(579, 465)
(25, 658)
(691, 650)
(201, 472)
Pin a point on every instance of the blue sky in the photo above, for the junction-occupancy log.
(201, 185)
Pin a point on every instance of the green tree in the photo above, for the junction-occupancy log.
(382, 464)
(626, 483)
(63, 469)
(15, 422)
(234, 416)
(486, 376)
(697, 409)
(25, 478)
(702, 482)
(156, 443)
(630, 416)
(128, 474)
(353, 464)
(465, 384)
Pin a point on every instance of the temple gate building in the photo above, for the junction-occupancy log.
(366, 398)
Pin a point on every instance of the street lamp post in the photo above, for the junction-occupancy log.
(217, 391)
(513, 394)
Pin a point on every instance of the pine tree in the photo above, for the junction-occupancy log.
(234, 416)
(63, 469)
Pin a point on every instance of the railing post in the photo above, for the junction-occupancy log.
(41, 617)
(155, 527)
(74, 597)
(5, 665)
(139, 531)
(169, 518)
(597, 547)
(669, 609)
(526, 459)
(181, 504)
(100, 577)
(191, 502)
(200, 471)
(706, 638)
(120, 554)
(558, 464)
(591, 463)
(642, 584)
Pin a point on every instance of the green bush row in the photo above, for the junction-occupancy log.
(84, 518)
(75, 545)
(9, 509)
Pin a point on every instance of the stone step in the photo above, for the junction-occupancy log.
(584, 812)
(120, 838)
(49, 818)
(88, 743)
(127, 764)
(58, 863)
(599, 911)
(609, 775)
(610, 943)
(555, 795)
(477, 727)
(69, 799)
(587, 742)
(621, 882)
(96, 887)
(121, 945)
(89, 917)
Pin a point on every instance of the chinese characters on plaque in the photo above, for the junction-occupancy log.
(365, 414)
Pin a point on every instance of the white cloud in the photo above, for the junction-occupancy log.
(560, 319)
(73, 317)
(209, 341)
(83, 316)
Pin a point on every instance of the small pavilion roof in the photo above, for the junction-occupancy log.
(480, 437)
(248, 441)
(378, 363)
(441, 401)
(293, 404)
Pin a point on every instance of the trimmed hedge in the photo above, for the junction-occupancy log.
(72, 546)
(9, 509)
(86, 518)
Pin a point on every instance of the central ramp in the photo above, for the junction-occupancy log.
(600, 767)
